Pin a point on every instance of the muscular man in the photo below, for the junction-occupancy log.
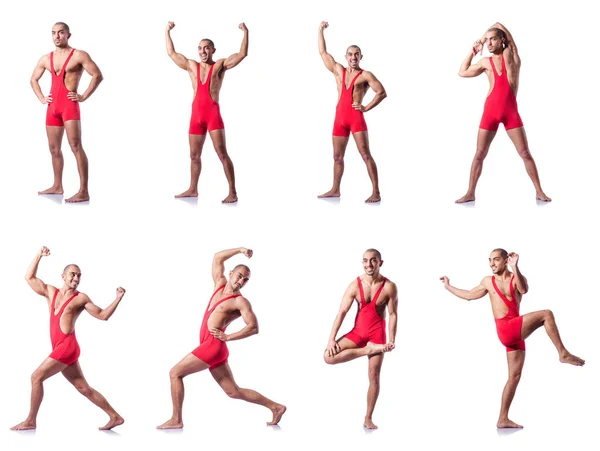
(502, 70)
(352, 83)
(225, 305)
(65, 306)
(506, 290)
(207, 78)
(373, 293)
(65, 65)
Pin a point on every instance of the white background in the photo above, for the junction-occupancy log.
(441, 387)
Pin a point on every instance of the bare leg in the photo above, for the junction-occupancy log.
(224, 378)
(218, 139)
(73, 129)
(484, 140)
(48, 368)
(515, 359)
(362, 142)
(519, 139)
(375, 362)
(339, 150)
(75, 376)
(534, 320)
(349, 351)
(55, 135)
(196, 143)
(189, 365)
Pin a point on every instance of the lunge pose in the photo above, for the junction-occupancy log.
(502, 70)
(353, 83)
(506, 290)
(373, 293)
(65, 305)
(225, 305)
(207, 78)
(66, 65)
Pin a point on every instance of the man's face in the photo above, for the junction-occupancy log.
(238, 278)
(494, 42)
(60, 37)
(371, 263)
(497, 263)
(205, 51)
(72, 277)
(353, 57)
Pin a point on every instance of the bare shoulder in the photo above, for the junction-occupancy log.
(82, 298)
(486, 281)
(51, 290)
(242, 303)
(81, 56)
(338, 70)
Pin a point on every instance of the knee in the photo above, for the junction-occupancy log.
(480, 154)
(75, 145)
(37, 377)
(175, 373)
(233, 391)
(195, 155)
(328, 360)
(548, 315)
(55, 150)
(525, 154)
(221, 153)
(365, 153)
(338, 158)
(84, 389)
(514, 378)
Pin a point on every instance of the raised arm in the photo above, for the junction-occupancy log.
(35, 78)
(92, 69)
(467, 69)
(332, 347)
(510, 43)
(218, 265)
(178, 58)
(249, 318)
(379, 90)
(36, 284)
(469, 295)
(520, 280)
(393, 316)
(327, 58)
(104, 313)
(237, 58)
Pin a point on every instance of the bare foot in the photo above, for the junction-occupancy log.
(541, 196)
(278, 412)
(331, 193)
(187, 193)
(567, 357)
(81, 196)
(369, 424)
(375, 348)
(24, 426)
(231, 199)
(506, 423)
(375, 197)
(113, 422)
(171, 424)
(52, 190)
(466, 198)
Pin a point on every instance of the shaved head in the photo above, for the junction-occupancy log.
(64, 25)
(241, 266)
(72, 265)
(503, 253)
(210, 42)
(354, 47)
(377, 253)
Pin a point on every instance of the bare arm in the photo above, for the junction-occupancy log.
(393, 315)
(218, 265)
(106, 313)
(467, 69)
(35, 78)
(469, 295)
(178, 58)
(332, 347)
(249, 318)
(520, 280)
(379, 90)
(237, 58)
(92, 69)
(327, 58)
(510, 41)
(36, 284)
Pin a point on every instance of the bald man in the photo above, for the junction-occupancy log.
(65, 305)
(225, 305)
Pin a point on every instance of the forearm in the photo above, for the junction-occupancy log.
(322, 45)
(33, 267)
(339, 319)
(106, 313)
(249, 330)
(392, 326)
(244, 47)
(94, 83)
(170, 46)
(37, 90)
(503, 28)
(466, 63)
(520, 281)
(222, 256)
(463, 294)
(376, 100)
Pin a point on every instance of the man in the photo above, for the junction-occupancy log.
(373, 293)
(65, 306)
(506, 290)
(352, 84)
(207, 78)
(65, 65)
(225, 305)
(502, 70)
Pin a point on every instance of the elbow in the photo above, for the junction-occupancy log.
(99, 77)
(461, 73)
(383, 94)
